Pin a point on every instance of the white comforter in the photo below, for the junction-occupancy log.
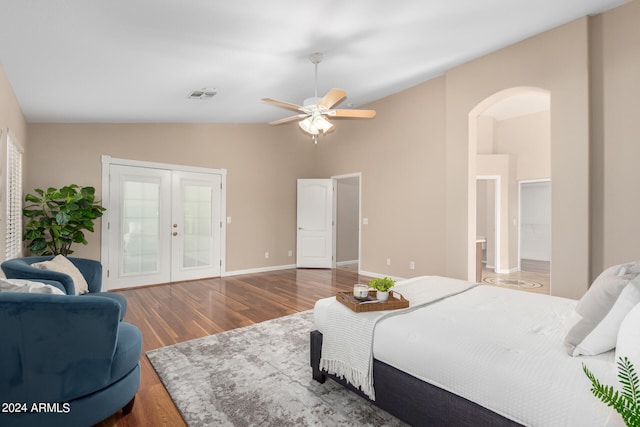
(500, 348)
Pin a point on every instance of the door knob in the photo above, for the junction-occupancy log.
(175, 233)
(300, 228)
(175, 225)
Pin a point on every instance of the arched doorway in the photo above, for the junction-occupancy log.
(509, 138)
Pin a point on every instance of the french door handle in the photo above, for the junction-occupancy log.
(175, 233)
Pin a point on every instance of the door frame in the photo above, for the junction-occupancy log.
(335, 216)
(107, 161)
(497, 179)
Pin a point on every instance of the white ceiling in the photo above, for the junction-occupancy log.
(137, 60)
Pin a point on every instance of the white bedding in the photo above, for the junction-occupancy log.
(500, 348)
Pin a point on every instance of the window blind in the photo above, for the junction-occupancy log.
(13, 242)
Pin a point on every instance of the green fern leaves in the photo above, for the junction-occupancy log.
(627, 402)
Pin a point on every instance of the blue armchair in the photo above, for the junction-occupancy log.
(21, 268)
(66, 360)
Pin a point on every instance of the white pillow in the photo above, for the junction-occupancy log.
(62, 265)
(632, 269)
(596, 303)
(21, 285)
(602, 293)
(628, 342)
(604, 335)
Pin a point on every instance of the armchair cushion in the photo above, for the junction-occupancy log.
(61, 264)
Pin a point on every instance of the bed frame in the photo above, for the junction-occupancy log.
(412, 400)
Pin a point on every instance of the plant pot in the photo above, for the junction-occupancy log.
(382, 295)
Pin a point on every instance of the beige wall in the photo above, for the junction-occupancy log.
(485, 135)
(615, 47)
(262, 165)
(12, 119)
(528, 139)
(400, 154)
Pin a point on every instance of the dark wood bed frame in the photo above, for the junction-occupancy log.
(413, 401)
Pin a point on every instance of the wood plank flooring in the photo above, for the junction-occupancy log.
(177, 312)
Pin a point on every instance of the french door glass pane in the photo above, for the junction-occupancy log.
(140, 227)
(198, 217)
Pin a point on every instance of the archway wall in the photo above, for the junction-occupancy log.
(615, 140)
(556, 61)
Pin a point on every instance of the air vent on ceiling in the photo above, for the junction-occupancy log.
(205, 93)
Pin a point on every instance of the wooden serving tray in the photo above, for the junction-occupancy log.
(395, 301)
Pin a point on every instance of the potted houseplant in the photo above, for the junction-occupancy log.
(627, 402)
(382, 286)
(56, 218)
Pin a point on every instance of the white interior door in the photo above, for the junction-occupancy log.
(196, 226)
(162, 226)
(315, 223)
(139, 216)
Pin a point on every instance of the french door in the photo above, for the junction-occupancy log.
(163, 225)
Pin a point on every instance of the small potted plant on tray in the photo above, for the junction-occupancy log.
(382, 286)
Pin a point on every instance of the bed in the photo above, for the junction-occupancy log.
(482, 355)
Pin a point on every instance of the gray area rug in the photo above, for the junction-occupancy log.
(258, 375)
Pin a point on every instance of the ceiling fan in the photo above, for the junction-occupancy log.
(314, 112)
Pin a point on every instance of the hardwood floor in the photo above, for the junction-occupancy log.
(172, 313)
(526, 280)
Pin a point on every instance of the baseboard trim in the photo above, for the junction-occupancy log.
(372, 274)
(258, 270)
(343, 263)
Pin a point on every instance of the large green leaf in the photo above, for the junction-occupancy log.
(626, 403)
(57, 218)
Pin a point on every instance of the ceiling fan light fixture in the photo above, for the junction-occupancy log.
(314, 125)
(323, 124)
(308, 126)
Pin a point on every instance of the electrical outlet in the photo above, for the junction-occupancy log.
(290, 252)
(412, 265)
(388, 261)
(365, 221)
(266, 255)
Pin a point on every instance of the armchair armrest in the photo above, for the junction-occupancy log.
(91, 270)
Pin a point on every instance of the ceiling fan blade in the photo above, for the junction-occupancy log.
(288, 119)
(332, 98)
(283, 104)
(358, 114)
